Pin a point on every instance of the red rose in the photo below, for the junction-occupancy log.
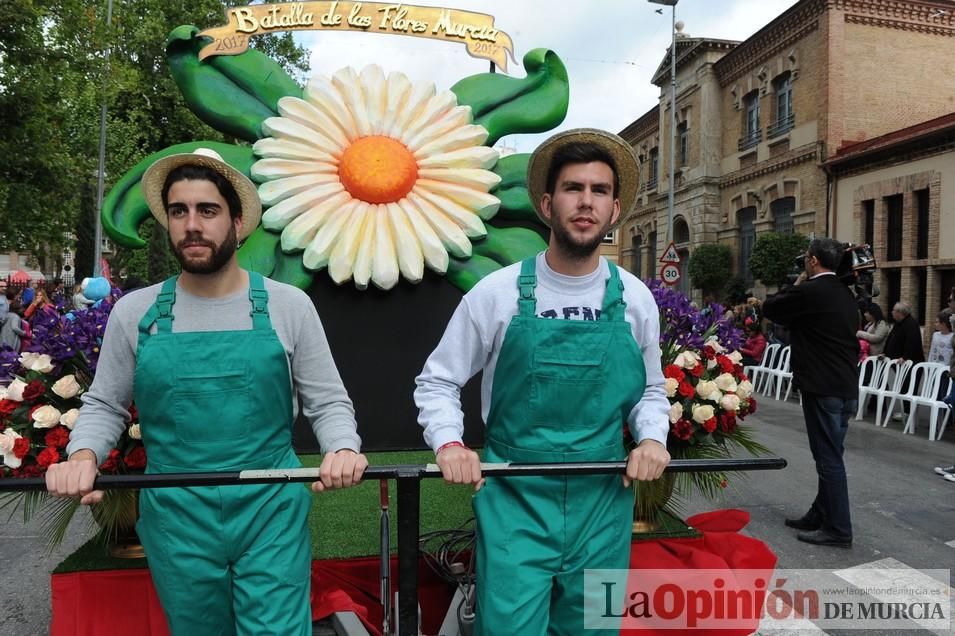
(21, 446)
(709, 425)
(724, 483)
(7, 407)
(27, 470)
(58, 437)
(47, 456)
(726, 365)
(686, 389)
(752, 405)
(683, 429)
(133, 413)
(675, 372)
(111, 463)
(33, 390)
(697, 371)
(136, 459)
(727, 422)
(708, 353)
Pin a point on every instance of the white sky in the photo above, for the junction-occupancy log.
(610, 48)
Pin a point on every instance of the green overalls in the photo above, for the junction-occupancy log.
(562, 391)
(233, 559)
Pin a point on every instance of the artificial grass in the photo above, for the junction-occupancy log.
(344, 523)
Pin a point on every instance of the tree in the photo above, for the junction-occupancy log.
(710, 266)
(773, 254)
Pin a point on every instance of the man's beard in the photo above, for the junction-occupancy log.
(577, 249)
(217, 259)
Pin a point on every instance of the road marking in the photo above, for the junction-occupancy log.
(951, 544)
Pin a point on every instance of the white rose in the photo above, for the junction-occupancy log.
(745, 389)
(687, 359)
(711, 364)
(68, 419)
(726, 382)
(676, 412)
(736, 357)
(730, 402)
(701, 413)
(46, 417)
(135, 432)
(671, 386)
(7, 438)
(715, 345)
(15, 390)
(67, 387)
(40, 362)
(708, 390)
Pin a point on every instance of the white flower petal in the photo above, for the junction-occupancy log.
(476, 157)
(451, 235)
(319, 250)
(463, 137)
(302, 229)
(384, 262)
(435, 255)
(279, 215)
(321, 93)
(349, 86)
(373, 88)
(397, 91)
(437, 106)
(454, 118)
(342, 260)
(483, 180)
(468, 221)
(287, 149)
(366, 248)
(268, 169)
(284, 128)
(410, 257)
(481, 203)
(274, 191)
(417, 99)
(304, 113)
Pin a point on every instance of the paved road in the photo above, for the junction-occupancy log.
(903, 514)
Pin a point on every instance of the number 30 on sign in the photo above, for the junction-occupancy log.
(670, 274)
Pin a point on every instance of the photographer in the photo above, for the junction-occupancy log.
(822, 315)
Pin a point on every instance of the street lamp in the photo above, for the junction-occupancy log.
(672, 5)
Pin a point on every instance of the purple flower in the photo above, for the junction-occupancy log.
(683, 325)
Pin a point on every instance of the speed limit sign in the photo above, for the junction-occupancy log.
(670, 274)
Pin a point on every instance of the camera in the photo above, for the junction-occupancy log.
(856, 271)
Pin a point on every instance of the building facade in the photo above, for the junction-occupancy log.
(758, 120)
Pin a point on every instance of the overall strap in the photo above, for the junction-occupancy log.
(259, 298)
(613, 305)
(161, 311)
(526, 282)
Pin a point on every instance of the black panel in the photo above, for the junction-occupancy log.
(380, 341)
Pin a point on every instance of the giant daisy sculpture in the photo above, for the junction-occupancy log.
(372, 176)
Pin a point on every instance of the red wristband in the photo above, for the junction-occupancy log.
(449, 444)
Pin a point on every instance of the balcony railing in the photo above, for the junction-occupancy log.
(652, 184)
(781, 127)
(751, 139)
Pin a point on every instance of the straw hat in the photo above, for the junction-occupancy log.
(628, 170)
(155, 177)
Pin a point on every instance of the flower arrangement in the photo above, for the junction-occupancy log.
(709, 394)
(39, 407)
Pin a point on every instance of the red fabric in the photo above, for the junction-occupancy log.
(125, 602)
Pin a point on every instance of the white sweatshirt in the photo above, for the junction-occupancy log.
(472, 342)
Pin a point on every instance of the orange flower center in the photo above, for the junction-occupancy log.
(378, 169)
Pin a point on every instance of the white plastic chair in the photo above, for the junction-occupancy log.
(756, 373)
(926, 394)
(778, 374)
(909, 386)
(894, 376)
(871, 379)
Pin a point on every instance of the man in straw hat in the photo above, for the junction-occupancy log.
(568, 344)
(214, 359)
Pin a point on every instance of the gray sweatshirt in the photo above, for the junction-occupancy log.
(315, 378)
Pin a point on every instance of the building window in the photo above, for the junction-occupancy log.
(654, 167)
(783, 210)
(652, 255)
(610, 238)
(784, 117)
(893, 227)
(637, 243)
(751, 132)
(746, 218)
(868, 214)
(681, 131)
(681, 231)
(921, 204)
